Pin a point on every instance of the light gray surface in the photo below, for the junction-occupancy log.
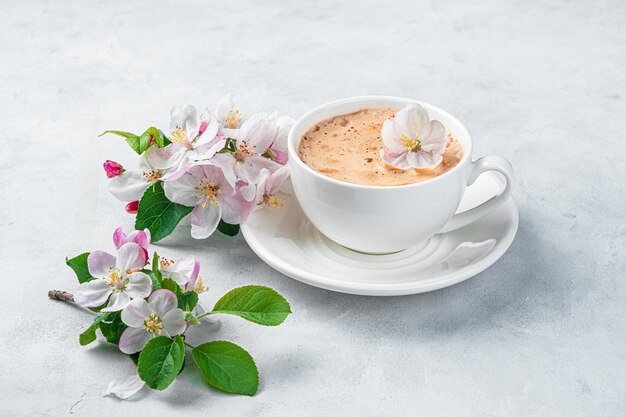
(540, 333)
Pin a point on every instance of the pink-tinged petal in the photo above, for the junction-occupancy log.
(206, 151)
(251, 167)
(162, 301)
(249, 192)
(204, 220)
(259, 132)
(140, 237)
(125, 388)
(185, 117)
(226, 162)
(391, 139)
(180, 270)
(182, 190)
(117, 302)
(131, 257)
(434, 137)
(119, 237)
(139, 285)
(112, 168)
(398, 161)
(424, 160)
(167, 157)
(411, 119)
(129, 186)
(280, 157)
(174, 322)
(135, 313)
(284, 124)
(235, 209)
(92, 294)
(99, 263)
(211, 134)
(194, 276)
(133, 340)
(276, 180)
(224, 106)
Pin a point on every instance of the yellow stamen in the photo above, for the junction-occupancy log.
(165, 263)
(151, 176)
(232, 118)
(411, 145)
(153, 324)
(273, 202)
(178, 135)
(199, 288)
(209, 190)
(243, 149)
(115, 279)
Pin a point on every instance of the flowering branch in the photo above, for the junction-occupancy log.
(145, 305)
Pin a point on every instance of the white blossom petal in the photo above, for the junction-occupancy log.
(204, 220)
(125, 388)
(434, 137)
(391, 139)
(93, 293)
(182, 190)
(167, 157)
(134, 339)
(131, 257)
(396, 160)
(100, 263)
(180, 270)
(129, 186)
(135, 313)
(411, 119)
(174, 322)
(186, 117)
(117, 302)
(424, 160)
(139, 285)
(162, 301)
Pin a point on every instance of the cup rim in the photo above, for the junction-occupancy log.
(293, 154)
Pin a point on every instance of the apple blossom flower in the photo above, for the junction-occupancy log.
(158, 316)
(140, 237)
(125, 388)
(179, 270)
(265, 192)
(121, 278)
(112, 168)
(412, 140)
(194, 137)
(227, 114)
(213, 195)
(131, 184)
(132, 207)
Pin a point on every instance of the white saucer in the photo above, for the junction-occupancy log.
(289, 243)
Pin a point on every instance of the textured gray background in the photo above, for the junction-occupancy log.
(542, 332)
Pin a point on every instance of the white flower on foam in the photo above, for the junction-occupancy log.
(412, 140)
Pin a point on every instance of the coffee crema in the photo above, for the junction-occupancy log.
(347, 148)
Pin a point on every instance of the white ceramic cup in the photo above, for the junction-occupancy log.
(385, 219)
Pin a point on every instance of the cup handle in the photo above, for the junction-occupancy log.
(486, 163)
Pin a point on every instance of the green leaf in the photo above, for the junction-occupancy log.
(89, 335)
(187, 301)
(121, 133)
(160, 361)
(170, 284)
(79, 265)
(227, 228)
(227, 366)
(150, 136)
(255, 303)
(112, 331)
(158, 214)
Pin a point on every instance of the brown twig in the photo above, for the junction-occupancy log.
(61, 296)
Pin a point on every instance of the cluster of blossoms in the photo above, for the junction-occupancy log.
(224, 164)
(146, 306)
(121, 283)
(412, 140)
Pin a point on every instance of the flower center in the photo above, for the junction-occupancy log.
(151, 176)
(273, 202)
(209, 191)
(165, 263)
(153, 324)
(232, 118)
(411, 145)
(199, 288)
(179, 135)
(243, 151)
(115, 279)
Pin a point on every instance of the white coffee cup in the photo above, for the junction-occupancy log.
(385, 219)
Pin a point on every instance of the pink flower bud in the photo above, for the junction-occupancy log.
(112, 168)
(203, 126)
(132, 207)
